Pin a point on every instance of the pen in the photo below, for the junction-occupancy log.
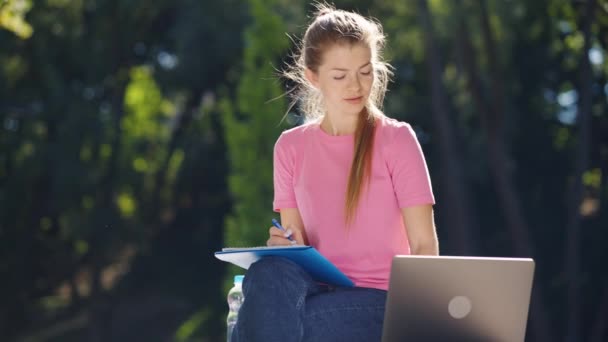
(278, 225)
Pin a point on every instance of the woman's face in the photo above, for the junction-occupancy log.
(344, 78)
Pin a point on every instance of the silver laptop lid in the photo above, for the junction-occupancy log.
(442, 298)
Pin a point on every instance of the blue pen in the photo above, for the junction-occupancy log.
(278, 225)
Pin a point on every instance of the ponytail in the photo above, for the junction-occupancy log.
(361, 168)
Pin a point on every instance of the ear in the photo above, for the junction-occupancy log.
(312, 77)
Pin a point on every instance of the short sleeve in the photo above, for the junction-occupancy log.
(408, 169)
(283, 175)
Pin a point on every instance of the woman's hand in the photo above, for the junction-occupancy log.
(280, 237)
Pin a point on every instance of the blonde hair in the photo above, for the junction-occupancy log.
(329, 27)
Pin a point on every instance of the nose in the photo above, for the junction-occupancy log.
(354, 84)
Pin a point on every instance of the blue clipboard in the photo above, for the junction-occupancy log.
(319, 268)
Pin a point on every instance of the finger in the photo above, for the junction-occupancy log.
(294, 233)
(279, 241)
(274, 231)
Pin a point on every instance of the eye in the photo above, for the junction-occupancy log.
(339, 77)
(368, 72)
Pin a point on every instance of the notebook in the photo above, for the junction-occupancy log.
(319, 268)
(473, 299)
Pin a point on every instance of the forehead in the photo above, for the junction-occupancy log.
(345, 56)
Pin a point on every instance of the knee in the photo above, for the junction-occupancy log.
(273, 271)
(267, 268)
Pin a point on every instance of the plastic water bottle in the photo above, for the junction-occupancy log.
(235, 299)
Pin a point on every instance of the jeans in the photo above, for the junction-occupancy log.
(283, 303)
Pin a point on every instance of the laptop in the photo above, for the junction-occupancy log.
(444, 298)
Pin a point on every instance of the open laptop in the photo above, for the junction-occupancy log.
(473, 299)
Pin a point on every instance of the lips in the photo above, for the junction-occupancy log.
(354, 99)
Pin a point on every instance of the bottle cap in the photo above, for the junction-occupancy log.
(238, 279)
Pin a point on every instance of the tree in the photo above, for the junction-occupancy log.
(94, 149)
(457, 195)
(573, 227)
(252, 125)
(491, 110)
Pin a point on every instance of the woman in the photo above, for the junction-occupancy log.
(351, 182)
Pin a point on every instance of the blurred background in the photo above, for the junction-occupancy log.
(136, 139)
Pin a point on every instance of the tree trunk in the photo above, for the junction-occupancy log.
(185, 117)
(573, 227)
(100, 309)
(99, 312)
(492, 121)
(457, 204)
(498, 157)
(598, 329)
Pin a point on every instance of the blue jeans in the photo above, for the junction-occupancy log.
(283, 303)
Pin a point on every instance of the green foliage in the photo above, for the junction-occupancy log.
(98, 158)
(117, 163)
(12, 14)
(143, 103)
(251, 125)
(187, 331)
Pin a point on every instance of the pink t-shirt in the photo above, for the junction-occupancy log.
(311, 171)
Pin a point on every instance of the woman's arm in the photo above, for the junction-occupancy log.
(420, 227)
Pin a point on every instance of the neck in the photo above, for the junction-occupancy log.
(339, 125)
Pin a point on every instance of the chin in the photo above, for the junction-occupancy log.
(353, 110)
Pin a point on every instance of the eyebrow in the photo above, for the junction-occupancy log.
(361, 67)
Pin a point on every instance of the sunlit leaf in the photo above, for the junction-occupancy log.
(81, 247)
(593, 178)
(144, 104)
(13, 67)
(126, 204)
(190, 326)
(12, 14)
(140, 165)
(174, 164)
